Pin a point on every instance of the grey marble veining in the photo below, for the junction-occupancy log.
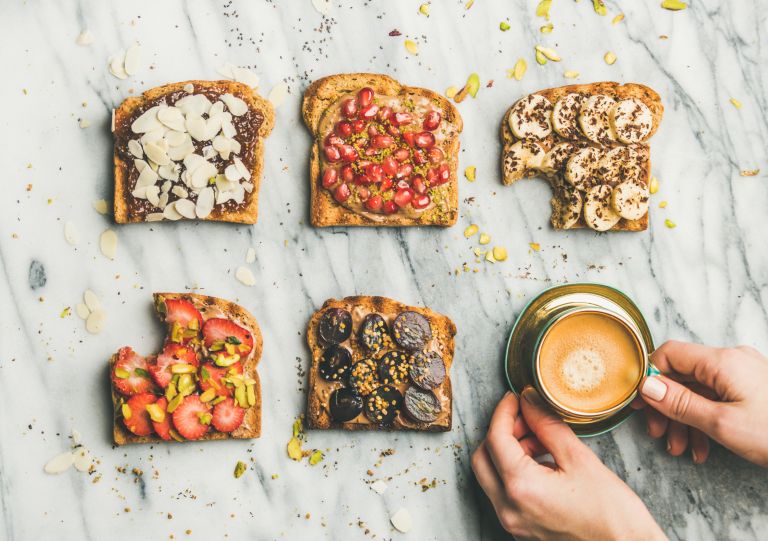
(705, 280)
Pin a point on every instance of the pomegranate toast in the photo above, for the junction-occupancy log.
(190, 150)
(378, 364)
(591, 142)
(203, 385)
(384, 154)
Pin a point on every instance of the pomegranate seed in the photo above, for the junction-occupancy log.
(385, 113)
(362, 179)
(410, 138)
(393, 131)
(374, 203)
(347, 173)
(375, 172)
(432, 120)
(402, 119)
(348, 153)
(332, 140)
(421, 202)
(403, 197)
(401, 184)
(343, 129)
(349, 108)
(365, 97)
(363, 193)
(373, 131)
(385, 185)
(405, 170)
(432, 176)
(424, 139)
(362, 164)
(332, 154)
(369, 113)
(435, 155)
(419, 158)
(329, 177)
(389, 166)
(389, 207)
(382, 141)
(418, 184)
(370, 151)
(341, 193)
(439, 176)
(401, 154)
(358, 126)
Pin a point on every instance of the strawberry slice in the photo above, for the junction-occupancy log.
(135, 415)
(210, 376)
(192, 418)
(172, 354)
(184, 320)
(227, 416)
(163, 428)
(223, 336)
(129, 373)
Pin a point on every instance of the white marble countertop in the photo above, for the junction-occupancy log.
(705, 280)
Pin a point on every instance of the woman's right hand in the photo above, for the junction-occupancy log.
(720, 393)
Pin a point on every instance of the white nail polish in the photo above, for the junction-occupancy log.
(654, 388)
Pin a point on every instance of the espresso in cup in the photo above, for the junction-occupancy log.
(589, 363)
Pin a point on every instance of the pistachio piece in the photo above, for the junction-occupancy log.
(663, 205)
(670, 224)
(125, 409)
(749, 172)
(240, 468)
(653, 187)
(519, 70)
(484, 239)
(218, 399)
(471, 230)
(186, 385)
(673, 5)
(550, 54)
(205, 417)
(470, 173)
(156, 413)
(547, 28)
(570, 74)
(489, 257)
(504, 26)
(617, 19)
(471, 88)
(316, 456)
(609, 58)
(535, 246)
(208, 395)
(542, 10)
(225, 360)
(174, 403)
(122, 373)
(424, 9)
(540, 58)
(499, 253)
(600, 8)
(240, 396)
(250, 390)
(171, 391)
(294, 449)
(736, 103)
(298, 427)
(182, 368)
(175, 435)
(411, 47)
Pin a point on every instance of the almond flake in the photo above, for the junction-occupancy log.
(401, 520)
(108, 243)
(116, 65)
(244, 172)
(411, 47)
(84, 123)
(609, 58)
(571, 74)
(618, 18)
(379, 486)
(135, 149)
(70, 234)
(82, 459)
(132, 57)
(250, 256)
(749, 172)
(84, 38)
(155, 217)
(189, 88)
(232, 173)
(100, 206)
(170, 212)
(241, 75)
(91, 300)
(204, 204)
(278, 93)
(82, 311)
(322, 6)
(245, 276)
(59, 463)
(235, 105)
(186, 208)
(95, 322)
(147, 121)
(171, 117)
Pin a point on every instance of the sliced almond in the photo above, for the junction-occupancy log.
(379, 486)
(95, 322)
(277, 94)
(172, 117)
(194, 104)
(235, 105)
(59, 463)
(132, 58)
(135, 149)
(402, 521)
(108, 243)
(322, 6)
(186, 208)
(70, 234)
(245, 276)
(147, 121)
(82, 459)
(116, 64)
(91, 300)
(84, 38)
(170, 212)
(244, 172)
(250, 255)
(204, 204)
(82, 310)
(100, 206)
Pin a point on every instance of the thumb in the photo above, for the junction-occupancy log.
(679, 403)
(556, 436)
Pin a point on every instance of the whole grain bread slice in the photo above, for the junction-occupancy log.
(614, 90)
(248, 213)
(319, 96)
(317, 415)
(209, 307)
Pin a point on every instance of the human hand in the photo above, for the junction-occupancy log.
(576, 498)
(721, 393)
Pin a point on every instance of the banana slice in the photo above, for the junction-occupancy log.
(581, 168)
(566, 207)
(565, 115)
(620, 165)
(630, 199)
(594, 119)
(529, 117)
(556, 158)
(631, 120)
(520, 158)
(598, 211)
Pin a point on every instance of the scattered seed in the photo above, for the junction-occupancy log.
(609, 58)
(411, 47)
(670, 224)
(504, 26)
(470, 172)
(673, 5)
(736, 103)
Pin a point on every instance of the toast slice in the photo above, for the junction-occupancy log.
(321, 390)
(321, 110)
(615, 91)
(228, 141)
(208, 307)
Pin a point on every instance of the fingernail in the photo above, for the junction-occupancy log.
(532, 396)
(669, 447)
(654, 388)
(507, 394)
(695, 458)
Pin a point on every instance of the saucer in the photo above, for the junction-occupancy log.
(522, 339)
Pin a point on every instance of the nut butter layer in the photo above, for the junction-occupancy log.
(190, 150)
(398, 374)
(581, 138)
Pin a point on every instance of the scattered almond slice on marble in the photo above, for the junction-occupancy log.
(132, 58)
(379, 486)
(250, 256)
(95, 322)
(82, 311)
(241, 75)
(100, 206)
(84, 123)
(59, 463)
(116, 64)
(401, 520)
(245, 276)
(70, 234)
(84, 38)
(278, 93)
(82, 459)
(322, 6)
(91, 300)
(411, 46)
(108, 243)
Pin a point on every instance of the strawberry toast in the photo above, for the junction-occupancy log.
(203, 385)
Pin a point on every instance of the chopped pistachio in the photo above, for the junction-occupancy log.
(170, 391)
(205, 418)
(535, 246)
(600, 8)
(294, 449)
(450, 92)
(484, 239)
(610, 58)
(208, 395)
(241, 397)
(500, 253)
(126, 411)
(670, 224)
(618, 18)
(673, 5)
(489, 256)
(186, 385)
(470, 172)
(174, 403)
(542, 10)
(66, 312)
(250, 391)
(424, 9)
(547, 28)
(663, 205)
(749, 172)
(736, 103)
(571, 74)
(550, 54)
(411, 46)
(315, 457)
(175, 435)
(654, 185)
(519, 70)
(182, 368)
(240, 468)
(156, 413)
(469, 4)
(540, 58)
(298, 427)
(122, 373)
(471, 230)
(504, 26)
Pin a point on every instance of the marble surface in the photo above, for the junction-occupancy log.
(706, 280)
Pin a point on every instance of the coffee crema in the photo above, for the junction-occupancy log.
(589, 362)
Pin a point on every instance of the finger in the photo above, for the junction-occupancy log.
(520, 429)
(679, 403)
(657, 423)
(503, 448)
(556, 436)
(700, 362)
(677, 438)
(699, 445)
(486, 475)
(533, 447)
(637, 403)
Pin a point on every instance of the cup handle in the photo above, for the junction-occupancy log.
(652, 370)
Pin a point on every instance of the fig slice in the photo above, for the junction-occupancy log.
(383, 405)
(411, 331)
(335, 326)
(427, 370)
(337, 361)
(422, 406)
(345, 404)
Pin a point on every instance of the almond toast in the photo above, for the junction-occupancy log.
(378, 364)
(583, 138)
(202, 386)
(384, 154)
(190, 150)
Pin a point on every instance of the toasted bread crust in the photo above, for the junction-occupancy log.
(323, 93)
(216, 307)
(615, 90)
(248, 214)
(318, 417)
